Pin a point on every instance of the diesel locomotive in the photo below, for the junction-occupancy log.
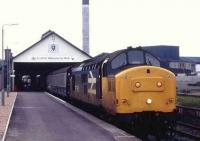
(127, 83)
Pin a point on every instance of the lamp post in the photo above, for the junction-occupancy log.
(2, 65)
(7, 58)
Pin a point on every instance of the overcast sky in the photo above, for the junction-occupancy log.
(114, 24)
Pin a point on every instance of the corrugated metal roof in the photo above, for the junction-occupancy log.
(191, 59)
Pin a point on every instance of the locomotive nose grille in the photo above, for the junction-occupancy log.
(153, 84)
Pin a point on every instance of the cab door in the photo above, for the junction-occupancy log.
(68, 78)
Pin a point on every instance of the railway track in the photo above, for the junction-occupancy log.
(187, 124)
(188, 111)
(186, 130)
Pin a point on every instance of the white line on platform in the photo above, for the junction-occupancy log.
(27, 107)
(7, 124)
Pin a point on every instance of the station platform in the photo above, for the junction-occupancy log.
(38, 116)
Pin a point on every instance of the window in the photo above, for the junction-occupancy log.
(182, 65)
(174, 65)
(119, 61)
(151, 60)
(135, 57)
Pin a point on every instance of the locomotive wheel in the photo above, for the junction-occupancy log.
(165, 130)
(140, 128)
(170, 133)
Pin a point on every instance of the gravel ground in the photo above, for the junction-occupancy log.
(5, 112)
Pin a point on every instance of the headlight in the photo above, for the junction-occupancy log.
(149, 101)
(159, 84)
(137, 84)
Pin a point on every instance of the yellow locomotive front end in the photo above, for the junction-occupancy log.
(145, 89)
(137, 90)
(144, 97)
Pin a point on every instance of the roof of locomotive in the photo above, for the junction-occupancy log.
(97, 59)
(101, 57)
(62, 70)
(94, 62)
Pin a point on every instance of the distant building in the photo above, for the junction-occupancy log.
(51, 52)
(195, 60)
(170, 59)
(164, 52)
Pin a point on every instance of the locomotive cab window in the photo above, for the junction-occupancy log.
(135, 57)
(151, 60)
(119, 61)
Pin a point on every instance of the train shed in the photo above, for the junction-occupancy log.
(51, 52)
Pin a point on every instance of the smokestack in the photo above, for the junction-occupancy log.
(85, 30)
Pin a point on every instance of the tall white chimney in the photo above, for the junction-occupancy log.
(85, 26)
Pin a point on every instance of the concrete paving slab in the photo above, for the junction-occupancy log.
(37, 117)
(117, 133)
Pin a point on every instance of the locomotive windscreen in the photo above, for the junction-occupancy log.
(134, 57)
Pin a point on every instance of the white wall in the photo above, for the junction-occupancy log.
(42, 52)
(197, 67)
